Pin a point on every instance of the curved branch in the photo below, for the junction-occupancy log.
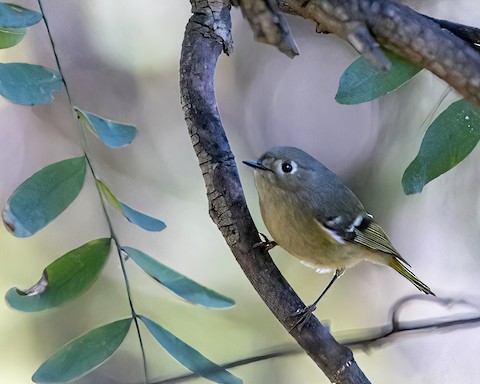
(207, 33)
(424, 41)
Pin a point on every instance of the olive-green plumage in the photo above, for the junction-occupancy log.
(310, 213)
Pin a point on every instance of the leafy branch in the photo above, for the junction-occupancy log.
(49, 192)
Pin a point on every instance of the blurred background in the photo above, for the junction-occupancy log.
(120, 60)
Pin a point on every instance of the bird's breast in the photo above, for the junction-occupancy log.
(294, 227)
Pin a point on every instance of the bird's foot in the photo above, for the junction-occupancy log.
(303, 314)
(266, 244)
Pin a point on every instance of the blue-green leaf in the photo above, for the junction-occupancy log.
(448, 140)
(113, 135)
(15, 16)
(44, 196)
(362, 82)
(65, 279)
(177, 283)
(189, 357)
(146, 222)
(11, 36)
(83, 354)
(28, 84)
(142, 220)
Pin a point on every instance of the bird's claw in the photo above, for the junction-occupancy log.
(266, 244)
(303, 314)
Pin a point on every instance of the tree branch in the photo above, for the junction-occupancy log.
(469, 34)
(207, 34)
(426, 42)
(268, 25)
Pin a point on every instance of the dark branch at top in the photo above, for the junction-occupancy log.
(469, 34)
(446, 49)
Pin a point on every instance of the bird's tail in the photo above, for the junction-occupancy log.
(401, 268)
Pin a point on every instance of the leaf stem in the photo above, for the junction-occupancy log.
(113, 236)
(59, 66)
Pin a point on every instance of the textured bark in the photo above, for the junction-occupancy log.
(446, 49)
(269, 25)
(207, 34)
(367, 23)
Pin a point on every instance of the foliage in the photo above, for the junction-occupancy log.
(362, 82)
(83, 354)
(179, 284)
(47, 193)
(11, 36)
(447, 141)
(188, 356)
(66, 278)
(28, 84)
(44, 196)
(146, 222)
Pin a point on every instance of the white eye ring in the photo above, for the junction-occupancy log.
(288, 167)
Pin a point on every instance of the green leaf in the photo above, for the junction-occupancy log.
(448, 140)
(11, 36)
(189, 357)
(108, 195)
(362, 82)
(44, 196)
(146, 222)
(177, 283)
(83, 354)
(28, 84)
(113, 135)
(66, 278)
(14, 16)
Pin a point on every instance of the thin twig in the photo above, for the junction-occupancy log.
(367, 338)
(113, 236)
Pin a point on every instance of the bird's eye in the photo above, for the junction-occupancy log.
(287, 167)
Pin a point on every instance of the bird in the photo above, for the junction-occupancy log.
(313, 215)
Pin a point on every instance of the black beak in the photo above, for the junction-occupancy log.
(256, 165)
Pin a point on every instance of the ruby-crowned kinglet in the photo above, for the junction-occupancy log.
(311, 214)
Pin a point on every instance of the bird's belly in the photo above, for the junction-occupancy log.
(306, 240)
(321, 254)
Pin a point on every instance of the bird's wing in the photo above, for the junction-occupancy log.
(365, 231)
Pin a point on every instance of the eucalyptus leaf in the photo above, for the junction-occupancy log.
(28, 84)
(11, 36)
(44, 196)
(179, 284)
(113, 135)
(448, 140)
(362, 82)
(146, 222)
(83, 354)
(15, 16)
(65, 279)
(189, 357)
